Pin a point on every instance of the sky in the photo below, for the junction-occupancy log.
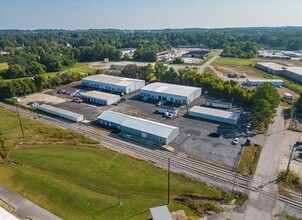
(148, 14)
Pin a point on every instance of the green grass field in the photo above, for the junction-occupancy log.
(249, 160)
(3, 66)
(246, 62)
(84, 181)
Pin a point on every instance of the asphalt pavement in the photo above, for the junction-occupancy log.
(24, 208)
(260, 205)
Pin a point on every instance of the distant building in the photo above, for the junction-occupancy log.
(292, 72)
(4, 53)
(214, 115)
(139, 127)
(100, 98)
(113, 83)
(273, 68)
(288, 96)
(128, 51)
(171, 92)
(201, 54)
(258, 82)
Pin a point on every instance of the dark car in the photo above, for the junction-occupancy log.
(214, 134)
(122, 100)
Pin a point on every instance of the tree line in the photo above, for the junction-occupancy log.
(34, 52)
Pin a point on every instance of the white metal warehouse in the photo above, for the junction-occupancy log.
(171, 92)
(61, 112)
(139, 127)
(258, 82)
(269, 67)
(101, 98)
(214, 114)
(113, 83)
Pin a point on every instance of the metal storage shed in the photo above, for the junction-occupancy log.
(258, 82)
(171, 92)
(139, 127)
(214, 114)
(101, 98)
(61, 112)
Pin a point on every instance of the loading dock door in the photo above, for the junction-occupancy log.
(144, 135)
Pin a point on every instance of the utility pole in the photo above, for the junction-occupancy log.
(120, 199)
(169, 181)
(20, 121)
(290, 158)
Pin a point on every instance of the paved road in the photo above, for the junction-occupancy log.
(205, 65)
(259, 205)
(23, 207)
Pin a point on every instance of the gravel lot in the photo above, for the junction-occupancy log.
(193, 138)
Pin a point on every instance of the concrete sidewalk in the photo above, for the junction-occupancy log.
(23, 207)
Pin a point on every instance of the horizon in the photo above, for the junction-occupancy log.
(148, 15)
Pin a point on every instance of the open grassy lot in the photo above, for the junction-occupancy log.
(249, 160)
(3, 66)
(85, 183)
(245, 62)
(34, 130)
(79, 181)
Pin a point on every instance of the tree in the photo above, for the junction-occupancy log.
(14, 71)
(160, 70)
(35, 68)
(267, 92)
(130, 71)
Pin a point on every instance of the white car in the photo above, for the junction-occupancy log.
(235, 141)
(249, 125)
(159, 104)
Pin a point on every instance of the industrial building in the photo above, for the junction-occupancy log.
(100, 98)
(294, 73)
(218, 104)
(5, 215)
(258, 82)
(214, 114)
(201, 54)
(139, 127)
(61, 112)
(171, 92)
(273, 68)
(113, 83)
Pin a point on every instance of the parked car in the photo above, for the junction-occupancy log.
(115, 103)
(214, 134)
(235, 141)
(145, 98)
(29, 103)
(60, 91)
(122, 100)
(168, 114)
(298, 144)
(249, 125)
(159, 104)
(298, 148)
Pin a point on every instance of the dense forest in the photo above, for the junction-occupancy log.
(39, 51)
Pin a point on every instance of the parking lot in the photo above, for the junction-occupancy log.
(193, 138)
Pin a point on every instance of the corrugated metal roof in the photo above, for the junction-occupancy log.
(147, 126)
(59, 110)
(273, 66)
(161, 213)
(172, 89)
(215, 112)
(264, 80)
(100, 95)
(114, 80)
(5, 215)
(295, 69)
(114, 117)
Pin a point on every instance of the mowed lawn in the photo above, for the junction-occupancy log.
(84, 181)
(3, 66)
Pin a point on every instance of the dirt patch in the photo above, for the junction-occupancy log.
(42, 98)
(7, 206)
(224, 70)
